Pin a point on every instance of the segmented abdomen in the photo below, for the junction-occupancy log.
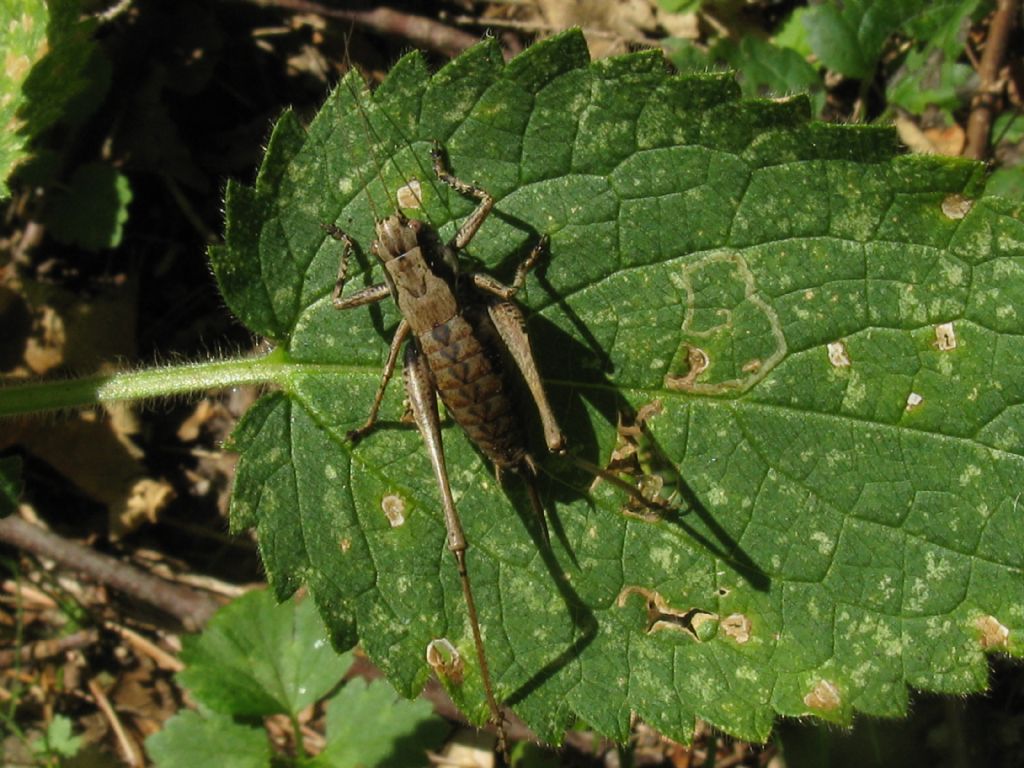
(471, 389)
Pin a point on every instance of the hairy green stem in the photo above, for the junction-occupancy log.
(51, 395)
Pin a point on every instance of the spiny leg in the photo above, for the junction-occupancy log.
(527, 264)
(476, 218)
(495, 287)
(423, 400)
(510, 325)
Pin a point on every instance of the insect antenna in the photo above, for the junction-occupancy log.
(401, 165)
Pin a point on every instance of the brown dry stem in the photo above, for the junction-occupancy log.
(985, 102)
(193, 609)
(420, 31)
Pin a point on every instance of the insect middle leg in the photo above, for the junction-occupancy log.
(401, 333)
(495, 287)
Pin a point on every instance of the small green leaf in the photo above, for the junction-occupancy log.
(849, 37)
(256, 658)
(58, 740)
(680, 6)
(931, 79)
(52, 71)
(92, 211)
(1009, 128)
(369, 725)
(685, 56)
(10, 484)
(792, 34)
(764, 69)
(190, 739)
(943, 24)
(70, 80)
(826, 336)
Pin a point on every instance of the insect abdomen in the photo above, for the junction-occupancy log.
(472, 390)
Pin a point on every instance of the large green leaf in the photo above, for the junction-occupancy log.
(193, 738)
(847, 465)
(367, 726)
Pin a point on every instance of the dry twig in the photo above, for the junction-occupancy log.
(45, 649)
(131, 754)
(420, 31)
(193, 609)
(983, 106)
(145, 647)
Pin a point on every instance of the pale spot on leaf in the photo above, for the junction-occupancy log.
(824, 696)
(445, 659)
(837, 354)
(394, 509)
(956, 206)
(408, 196)
(993, 633)
(737, 626)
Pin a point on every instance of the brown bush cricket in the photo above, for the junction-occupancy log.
(460, 327)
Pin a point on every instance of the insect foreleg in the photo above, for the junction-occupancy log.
(368, 295)
(527, 264)
(423, 400)
(476, 218)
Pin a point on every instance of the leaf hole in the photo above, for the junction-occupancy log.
(699, 624)
(945, 337)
